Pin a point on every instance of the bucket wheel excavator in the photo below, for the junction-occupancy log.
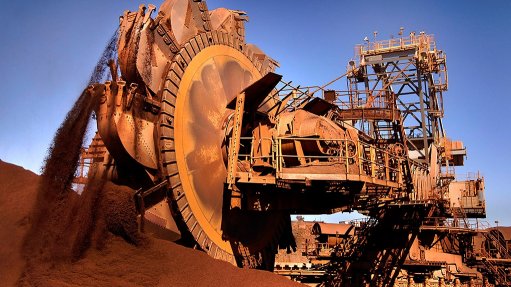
(194, 123)
(166, 126)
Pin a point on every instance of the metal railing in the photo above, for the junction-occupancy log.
(500, 275)
(437, 282)
(469, 176)
(376, 98)
(355, 160)
(357, 99)
(456, 223)
(291, 98)
(345, 155)
(246, 144)
(348, 156)
(497, 244)
(423, 41)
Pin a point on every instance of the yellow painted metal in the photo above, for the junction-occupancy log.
(235, 140)
(214, 77)
(373, 161)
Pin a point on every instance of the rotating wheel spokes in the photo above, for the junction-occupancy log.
(192, 131)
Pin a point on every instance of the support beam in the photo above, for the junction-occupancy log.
(234, 145)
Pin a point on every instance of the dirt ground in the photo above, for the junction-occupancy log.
(18, 188)
(113, 261)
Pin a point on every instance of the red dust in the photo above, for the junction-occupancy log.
(52, 236)
(114, 262)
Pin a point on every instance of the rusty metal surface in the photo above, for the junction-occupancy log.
(199, 111)
(212, 79)
(336, 229)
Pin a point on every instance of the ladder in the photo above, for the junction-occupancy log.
(497, 272)
(367, 259)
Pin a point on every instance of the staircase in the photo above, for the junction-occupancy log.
(347, 253)
(374, 255)
(495, 271)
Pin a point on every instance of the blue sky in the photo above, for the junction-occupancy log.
(49, 49)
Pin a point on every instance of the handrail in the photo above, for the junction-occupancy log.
(358, 158)
(493, 240)
(422, 41)
(361, 161)
(474, 224)
(346, 99)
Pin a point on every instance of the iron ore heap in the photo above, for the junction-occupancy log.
(218, 149)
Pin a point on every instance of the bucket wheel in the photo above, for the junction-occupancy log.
(207, 73)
